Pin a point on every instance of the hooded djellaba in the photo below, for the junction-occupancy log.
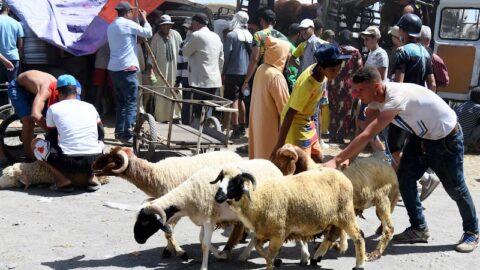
(269, 96)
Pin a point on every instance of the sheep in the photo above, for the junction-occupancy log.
(156, 179)
(294, 207)
(374, 183)
(35, 173)
(195, 198)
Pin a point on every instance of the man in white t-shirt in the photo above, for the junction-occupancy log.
(436, 142)
(73, 139)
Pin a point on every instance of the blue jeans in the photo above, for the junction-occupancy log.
(9, 75)
(445, 158)
(125, 84)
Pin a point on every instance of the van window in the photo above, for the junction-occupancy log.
(460, 23)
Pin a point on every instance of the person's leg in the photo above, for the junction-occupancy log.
(412, 167)
(118, 84)
(316, 152)
(231, 93)
(395, 142)
(55, 158)
(131, 95)
(22, 101)
(445, 157)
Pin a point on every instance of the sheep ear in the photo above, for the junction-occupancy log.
(219, 178)
(251, 178)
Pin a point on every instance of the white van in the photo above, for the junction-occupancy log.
(457, 41)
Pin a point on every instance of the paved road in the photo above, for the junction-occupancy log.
(44, 230)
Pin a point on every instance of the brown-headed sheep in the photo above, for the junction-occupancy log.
(374, 183)
(295, 207)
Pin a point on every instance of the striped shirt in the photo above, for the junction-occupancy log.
(182, 66)
(468, 114)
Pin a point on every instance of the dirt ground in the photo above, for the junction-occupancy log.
(40, 229)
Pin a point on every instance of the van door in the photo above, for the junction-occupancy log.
(457, 34)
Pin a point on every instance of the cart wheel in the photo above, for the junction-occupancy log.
(11, 140)
(5, 112)
(213, 123)
(145, 136)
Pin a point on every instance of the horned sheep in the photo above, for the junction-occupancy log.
(374, 183)
(295, 207)
(157, 179)
(195, 198)
(34, 173)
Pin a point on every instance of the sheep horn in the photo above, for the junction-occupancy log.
(219, 178)
(250, 178)
(124, 166)
(247, 193)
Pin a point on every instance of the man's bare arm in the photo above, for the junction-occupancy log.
(38, 105)
(284, 128)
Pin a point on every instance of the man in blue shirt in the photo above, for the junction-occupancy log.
(11, 40)
(123, 66)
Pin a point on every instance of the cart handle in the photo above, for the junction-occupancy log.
(225, 109)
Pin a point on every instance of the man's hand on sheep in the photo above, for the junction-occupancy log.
(334, 163)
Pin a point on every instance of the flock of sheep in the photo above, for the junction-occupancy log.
(289, 198)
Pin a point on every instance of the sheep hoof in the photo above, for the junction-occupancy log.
(222, 255)
(184, 256)
(277, 262)
(166, 254)
(304, 262)
(315, 262)
(374, 255)
(358, 268)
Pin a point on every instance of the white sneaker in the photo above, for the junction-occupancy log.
(324, 145)
(429, 186)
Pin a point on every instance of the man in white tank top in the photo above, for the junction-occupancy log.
(436, 142)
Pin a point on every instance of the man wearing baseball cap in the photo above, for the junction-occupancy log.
(29, 93)
(73, 139)
(165, 46)
(298, 127)
(123, 65)
(307, 49)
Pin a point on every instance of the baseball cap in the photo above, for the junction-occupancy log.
(124, 6)
(329, 52)
(372, 31)
(200, 18)
(394, 31)
(66, 80)
(306, 23)
(293, 29)
(165, 19)
(187, 23)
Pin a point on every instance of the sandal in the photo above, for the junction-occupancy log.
(65, 189)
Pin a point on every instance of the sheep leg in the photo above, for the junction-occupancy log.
(383, 213)
(248, 249)
(321, 250)
(259, 248)
(273, 249)
(304, 255)
(354, 232)
(235, 237)
(172, 246)
(205, 240)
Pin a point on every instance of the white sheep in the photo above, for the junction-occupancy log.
(157, 179)
(35, 173)
(295, 207)
(374, 183)
(195, 198)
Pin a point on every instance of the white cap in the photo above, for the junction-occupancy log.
(306, 23)
(165, 19)
(372, 31)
